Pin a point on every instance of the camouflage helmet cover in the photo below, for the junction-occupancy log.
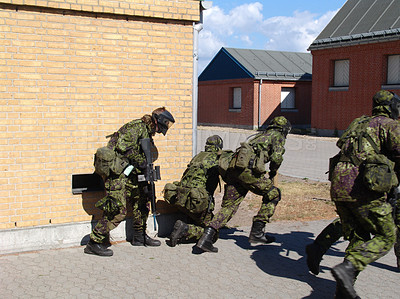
(282, 123)
(215, 140)
(382, 98)
(387, 101)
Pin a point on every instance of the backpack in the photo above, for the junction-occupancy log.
(249, 156)
(376, 170)
(106, 161)
(193, 198)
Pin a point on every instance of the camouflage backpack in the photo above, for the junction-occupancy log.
(106, 161)
(184, 193)
(376, 169)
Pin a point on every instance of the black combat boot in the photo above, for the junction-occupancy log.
(257, 234)
(180, 230)
(206, 241)
(142, 239)
(97, 248)
(345, 274)
(314, 257)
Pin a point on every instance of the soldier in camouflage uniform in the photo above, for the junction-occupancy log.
(201, 174)
(122, 189)
(365, 215)
(332, 233)
(268, 146)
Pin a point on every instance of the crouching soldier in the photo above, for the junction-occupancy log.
(194, 194)
(245, 171)
(121, 182)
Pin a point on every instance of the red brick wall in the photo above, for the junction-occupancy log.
(214, 99)
(336, 109)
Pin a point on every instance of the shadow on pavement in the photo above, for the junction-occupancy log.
(276, 259)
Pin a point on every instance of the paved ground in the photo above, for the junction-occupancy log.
(277, 270)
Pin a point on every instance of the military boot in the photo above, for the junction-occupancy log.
(98, 249)
(142, 239)
(345, 274)
(180, 230)
(314, 256)
(257, 234)
(206, 241)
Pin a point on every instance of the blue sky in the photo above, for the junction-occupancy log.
(281, 25)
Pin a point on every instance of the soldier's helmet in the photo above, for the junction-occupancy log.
(388, 101)
(216, 141)
(280, 123)
(164, 119)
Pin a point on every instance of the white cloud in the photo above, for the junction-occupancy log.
(245, 27)
(294, 33)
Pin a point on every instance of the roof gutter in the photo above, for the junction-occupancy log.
(356, 39)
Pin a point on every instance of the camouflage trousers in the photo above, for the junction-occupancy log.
(125, 191)
(333, 232)
(197, 222)
(238, 185)
(369, 227)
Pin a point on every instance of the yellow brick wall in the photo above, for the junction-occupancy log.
(68, 80)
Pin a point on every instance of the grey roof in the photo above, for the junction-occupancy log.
(274, 65)
(361, 21)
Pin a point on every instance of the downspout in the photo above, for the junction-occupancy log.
(196, 29)
(259, 103)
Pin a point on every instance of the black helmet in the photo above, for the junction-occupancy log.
(387, 100)
(280, 123)
(163, 119)
(216, 141)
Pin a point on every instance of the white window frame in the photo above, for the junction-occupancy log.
(393, 70)
(288, 98)
(341, 76)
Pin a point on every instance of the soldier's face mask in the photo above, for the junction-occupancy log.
(165, 120)
(395, 107)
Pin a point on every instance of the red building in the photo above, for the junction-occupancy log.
(357, 54)
(246, 88)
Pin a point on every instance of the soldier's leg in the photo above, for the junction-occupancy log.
(327, 237)
(100, 233)
(233, 196)
(140, 214)
(397, 223)
(374, 218)
(271, 197)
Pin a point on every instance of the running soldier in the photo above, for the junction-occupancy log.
(245, 171)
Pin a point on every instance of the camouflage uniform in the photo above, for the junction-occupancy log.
(201, 173)
(239, 182)
(122, 189)
(364, 213)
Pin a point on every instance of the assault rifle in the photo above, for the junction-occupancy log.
(151, 175)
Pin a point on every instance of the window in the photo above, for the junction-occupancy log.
(341, 75)
(236, 98)
(393, 74)
(288, 98)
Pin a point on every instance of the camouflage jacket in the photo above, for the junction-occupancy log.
(126, 141)
(272, 144)
(202, 171)
(346, 183)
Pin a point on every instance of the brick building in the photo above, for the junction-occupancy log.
(72, 72)
(246, 88)
(357, 54)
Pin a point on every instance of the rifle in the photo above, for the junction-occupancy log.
(393, 199)
(151, 175)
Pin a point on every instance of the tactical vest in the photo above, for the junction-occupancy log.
(376, 169)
